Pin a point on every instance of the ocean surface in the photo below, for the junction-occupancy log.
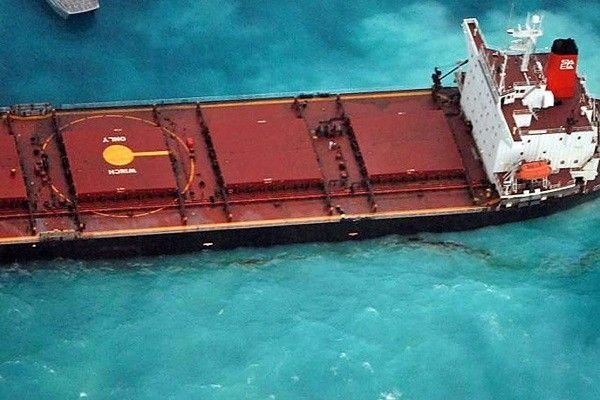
(509, 312)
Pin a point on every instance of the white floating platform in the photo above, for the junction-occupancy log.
(66, 8)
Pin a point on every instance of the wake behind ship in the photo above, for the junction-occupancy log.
(518, 138)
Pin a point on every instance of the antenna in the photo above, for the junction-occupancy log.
(526, 38)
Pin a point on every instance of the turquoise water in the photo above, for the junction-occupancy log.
(505, 312)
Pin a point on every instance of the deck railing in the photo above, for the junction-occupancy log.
(236, 97)
(524, 132)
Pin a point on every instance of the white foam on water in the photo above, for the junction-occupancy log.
(366, 365)
(392, 395)
(372, 310)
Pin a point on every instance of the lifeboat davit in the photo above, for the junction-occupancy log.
(534, 170)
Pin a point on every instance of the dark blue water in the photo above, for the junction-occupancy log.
(502, 312)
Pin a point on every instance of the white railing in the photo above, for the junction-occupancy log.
(554, 130)
(489, 80)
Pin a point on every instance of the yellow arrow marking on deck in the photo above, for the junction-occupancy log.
(119, 155)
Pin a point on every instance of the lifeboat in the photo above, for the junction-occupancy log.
(531, 171)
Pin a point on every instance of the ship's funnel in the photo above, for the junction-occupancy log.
(561, 68)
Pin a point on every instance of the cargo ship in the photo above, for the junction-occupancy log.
(515, 137)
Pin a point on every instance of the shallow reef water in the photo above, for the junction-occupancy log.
(501, 312)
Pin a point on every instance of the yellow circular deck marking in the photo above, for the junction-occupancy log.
(191, 167)
(119, 155)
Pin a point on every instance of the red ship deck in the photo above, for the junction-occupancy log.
(12, 188)
(400, 141)
(98, 150)
(259, 147)
(104, 171)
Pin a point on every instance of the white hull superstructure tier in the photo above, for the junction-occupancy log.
(535, 127)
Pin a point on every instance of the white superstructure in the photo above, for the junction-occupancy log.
(531, 118)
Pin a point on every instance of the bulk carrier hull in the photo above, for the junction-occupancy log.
(346, 207)
(171, 176)
(222, 238)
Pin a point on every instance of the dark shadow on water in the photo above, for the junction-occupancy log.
(74, 24)
(81, 22)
